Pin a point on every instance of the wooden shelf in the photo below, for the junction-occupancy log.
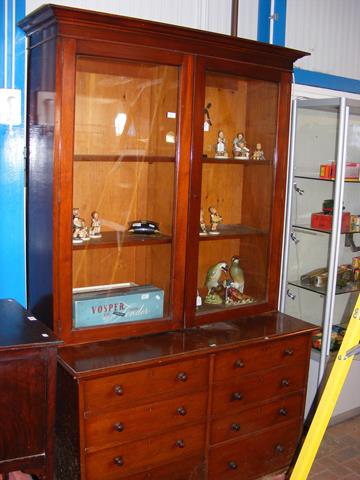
(232, 160)
(233, 231)
(119, 239)
(349, 288)
(124, 158)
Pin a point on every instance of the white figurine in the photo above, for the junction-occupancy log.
(80, 231)
(95, 227)
(220, 147)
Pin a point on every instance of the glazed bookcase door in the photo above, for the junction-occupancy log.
(237, 175)
(125, 176)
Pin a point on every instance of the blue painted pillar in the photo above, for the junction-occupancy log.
(279, 29)
(12, 164)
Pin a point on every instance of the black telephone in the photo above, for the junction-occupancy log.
(143, 227)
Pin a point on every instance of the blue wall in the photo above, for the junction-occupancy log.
(12, 165)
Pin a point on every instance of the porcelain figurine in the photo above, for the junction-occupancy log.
(258, 153)
(220, 147)
(95, 228)
(215, 219)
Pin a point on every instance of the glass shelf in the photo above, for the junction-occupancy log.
(311, 229)
(349, 288)
(115, 239)
(314, 177)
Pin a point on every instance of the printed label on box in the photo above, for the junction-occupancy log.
(132, 304)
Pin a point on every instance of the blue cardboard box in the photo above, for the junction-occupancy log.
(118, 305)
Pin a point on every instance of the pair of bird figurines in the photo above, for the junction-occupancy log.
(80, 232)
(225, 290)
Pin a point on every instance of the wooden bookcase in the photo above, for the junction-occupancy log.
(123, 119)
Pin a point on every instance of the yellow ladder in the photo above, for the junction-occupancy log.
(349, 347)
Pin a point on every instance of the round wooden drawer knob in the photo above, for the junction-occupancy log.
(182, 377)
(235, 427)
(237, 396)
(118, 390)
(182, 411)
(119, 427)
(180, 443)
(280, 448)
(119, 461)
(239, 364)
(283, 411)
(232, 465)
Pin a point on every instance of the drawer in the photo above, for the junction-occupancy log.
(240, 392)
(130, 424)
(250, 420)
(254, 456)
(187, 469)
(121, 461)
(267, 354)
(143, 386)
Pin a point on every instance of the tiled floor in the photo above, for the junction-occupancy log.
(338, 457)
(339, 453)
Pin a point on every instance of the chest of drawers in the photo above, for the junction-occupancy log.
(206, 403)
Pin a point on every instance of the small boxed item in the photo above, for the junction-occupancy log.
(123, 304)
(323, 221)
(337, 335)
(328, 171)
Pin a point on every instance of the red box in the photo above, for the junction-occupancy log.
(324, 222)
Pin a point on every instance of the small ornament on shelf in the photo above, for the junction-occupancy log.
(220, 147)
(215, 219)
(207, 120)
(258, 153)
(203, 230)
(80, 230)
(240, 150)
(95, 228)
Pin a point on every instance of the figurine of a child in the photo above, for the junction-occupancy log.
(258, 153)
(95, 227)
(215, 219)
(80, 231)
(220, 147)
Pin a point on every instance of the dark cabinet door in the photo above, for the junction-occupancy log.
(22, 403)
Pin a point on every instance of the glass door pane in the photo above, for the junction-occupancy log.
(240, 128)
(123, 191)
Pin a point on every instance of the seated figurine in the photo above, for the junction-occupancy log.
(95, 228)
(240, 149)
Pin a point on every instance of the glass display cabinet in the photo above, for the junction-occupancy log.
(157, 161)
(321, 280)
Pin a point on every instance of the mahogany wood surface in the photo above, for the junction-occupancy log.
(27, 384)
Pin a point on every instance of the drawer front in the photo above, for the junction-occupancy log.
(130, 458)
(256, 418)
(187, 469)
(241, 392)
(142, 386)
(143, 421)
(288, 351)
(254, 456)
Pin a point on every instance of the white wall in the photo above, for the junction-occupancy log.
(212, 15)
(329, 30)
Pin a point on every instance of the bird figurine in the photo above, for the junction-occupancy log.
(214, 274)
(237, 274)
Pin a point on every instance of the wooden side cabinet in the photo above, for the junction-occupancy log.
(27, 385)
